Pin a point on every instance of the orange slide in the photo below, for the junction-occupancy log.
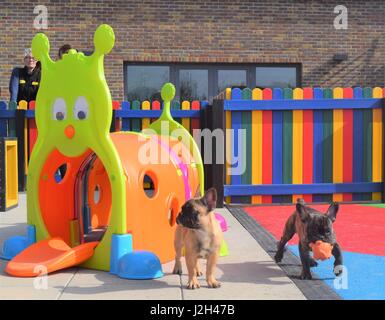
(52, 254)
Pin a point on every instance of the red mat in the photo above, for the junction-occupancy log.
(358, 228)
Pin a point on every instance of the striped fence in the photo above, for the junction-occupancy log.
(320, 144)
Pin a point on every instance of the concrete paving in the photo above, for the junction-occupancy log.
(247, 273)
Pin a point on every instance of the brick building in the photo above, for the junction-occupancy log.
(203, 46)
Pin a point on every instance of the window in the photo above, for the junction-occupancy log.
(275, 77)
(143, 81)
(193, 84)
(231, 78)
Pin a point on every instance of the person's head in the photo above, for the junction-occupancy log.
(64, 49)
(29, 60)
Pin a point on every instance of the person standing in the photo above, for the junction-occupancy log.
(24, 82)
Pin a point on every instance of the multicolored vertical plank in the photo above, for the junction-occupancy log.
(256, 154)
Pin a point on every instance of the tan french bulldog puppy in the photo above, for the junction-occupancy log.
(200, 233)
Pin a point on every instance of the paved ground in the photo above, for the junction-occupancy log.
(247, 273)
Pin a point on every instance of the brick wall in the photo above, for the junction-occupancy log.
(209, 31)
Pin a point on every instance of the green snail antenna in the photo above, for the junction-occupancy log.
(40, 49)
(104, 39)
(168, 92)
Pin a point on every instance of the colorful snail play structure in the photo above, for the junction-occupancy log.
(100, 215)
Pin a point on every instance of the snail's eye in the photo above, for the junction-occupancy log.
(59, 109)
(81, 108)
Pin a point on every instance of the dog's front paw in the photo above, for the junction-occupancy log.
(213, 283)
(197, 270)
(306, 276)
(193, 284)
(177, 268)
(338, 270)
(278, 256)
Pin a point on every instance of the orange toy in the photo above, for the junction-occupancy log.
(115, 207)
(321, 250)
(52, 255)
(150, 219)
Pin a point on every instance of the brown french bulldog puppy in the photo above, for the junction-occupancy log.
(200, 233)
(311, 226)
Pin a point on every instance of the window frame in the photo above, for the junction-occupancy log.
(213, 69)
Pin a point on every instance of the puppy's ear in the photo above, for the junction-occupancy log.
(210, 198)
(332, 211)
(302, 212)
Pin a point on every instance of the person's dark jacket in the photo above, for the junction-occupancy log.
(24, 86)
